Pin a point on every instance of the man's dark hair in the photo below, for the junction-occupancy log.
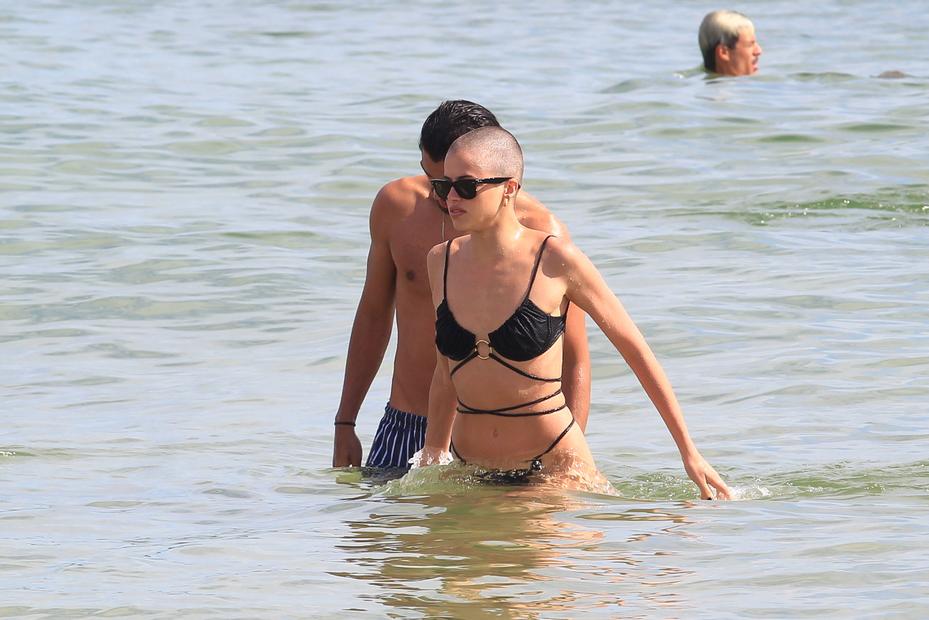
(450, 121)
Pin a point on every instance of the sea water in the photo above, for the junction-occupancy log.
(184, 192)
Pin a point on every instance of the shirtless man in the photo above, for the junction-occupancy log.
(407, 219)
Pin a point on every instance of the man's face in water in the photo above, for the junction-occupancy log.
(433, 170)
(742, 58)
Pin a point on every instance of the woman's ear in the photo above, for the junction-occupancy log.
(512, 186)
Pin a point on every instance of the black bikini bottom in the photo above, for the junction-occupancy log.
(515, 476)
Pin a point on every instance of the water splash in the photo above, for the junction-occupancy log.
(837, 480)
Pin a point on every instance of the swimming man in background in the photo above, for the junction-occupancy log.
(728, 43)
(407, 219)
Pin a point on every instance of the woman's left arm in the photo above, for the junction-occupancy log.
(587, 289)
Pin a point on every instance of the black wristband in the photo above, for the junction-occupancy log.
(340, 423)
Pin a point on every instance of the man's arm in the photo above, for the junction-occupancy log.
(370, 333)
(575, 376)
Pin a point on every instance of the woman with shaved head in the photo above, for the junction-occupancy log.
(502, 293)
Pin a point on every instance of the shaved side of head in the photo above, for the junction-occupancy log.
(494, 150)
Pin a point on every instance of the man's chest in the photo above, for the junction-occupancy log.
(409, 248)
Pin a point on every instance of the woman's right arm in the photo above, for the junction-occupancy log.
(442, 411)
(442, 396)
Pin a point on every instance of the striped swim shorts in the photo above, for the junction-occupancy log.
(399, 436)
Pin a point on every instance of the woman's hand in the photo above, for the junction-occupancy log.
(704, 476)
(430, 456)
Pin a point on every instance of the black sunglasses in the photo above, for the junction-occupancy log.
(466, 188)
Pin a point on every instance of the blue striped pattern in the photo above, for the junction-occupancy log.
(399, 436)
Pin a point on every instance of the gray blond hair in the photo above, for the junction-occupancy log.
(720, 27)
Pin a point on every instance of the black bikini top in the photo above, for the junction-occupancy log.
(527, 334)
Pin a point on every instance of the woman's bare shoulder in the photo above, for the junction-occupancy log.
(562, 248)
(436, 255)
(561, 256)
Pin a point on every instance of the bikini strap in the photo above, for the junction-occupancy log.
(451, 444)
(535, 267)
(465, 410)
(536, 463)
(470, 357)
(448, 244)
(507, 411)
